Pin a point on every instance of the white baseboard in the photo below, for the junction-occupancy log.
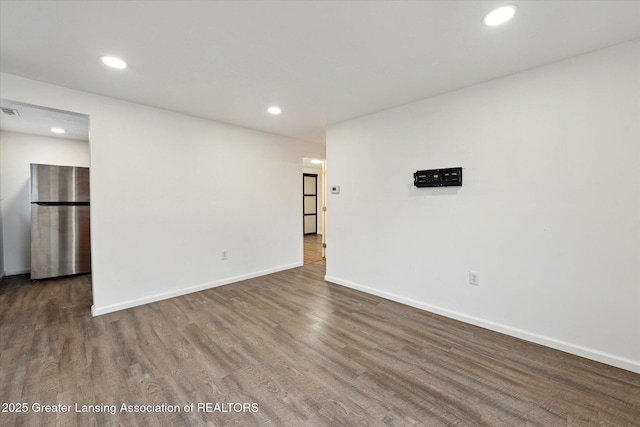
(97, 311)
(16, 272)
(599, 356)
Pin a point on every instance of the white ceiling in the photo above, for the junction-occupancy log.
(36, 120)
(321, 61)
(307, 163)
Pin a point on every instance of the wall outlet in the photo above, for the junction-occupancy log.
(225, 255)
(474, 278)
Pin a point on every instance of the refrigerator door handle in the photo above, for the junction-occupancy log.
(62, 203)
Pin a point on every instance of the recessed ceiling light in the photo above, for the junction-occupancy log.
(58, 130)
(274, 110)
(114, 62)
(316, 161)
(499, 16)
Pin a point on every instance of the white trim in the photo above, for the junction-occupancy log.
(97, 311)
(16, 272)
(578, 350)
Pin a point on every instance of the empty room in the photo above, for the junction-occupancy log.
(320, 213)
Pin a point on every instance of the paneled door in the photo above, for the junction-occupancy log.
(310, 202)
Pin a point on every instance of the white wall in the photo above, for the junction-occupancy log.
(549, 213)
(170, 192)
(18, 151)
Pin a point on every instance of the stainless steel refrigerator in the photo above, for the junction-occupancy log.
(60, 221)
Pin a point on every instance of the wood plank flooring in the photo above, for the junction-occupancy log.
(304, 352)
(313, 249)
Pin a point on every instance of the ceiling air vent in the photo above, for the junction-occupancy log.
(10, 111)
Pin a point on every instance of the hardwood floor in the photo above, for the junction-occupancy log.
(302, 351)
(313, 249)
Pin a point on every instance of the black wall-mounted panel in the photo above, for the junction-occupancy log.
(451, 177)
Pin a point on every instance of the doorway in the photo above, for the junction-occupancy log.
(313, 211)
(40, 135)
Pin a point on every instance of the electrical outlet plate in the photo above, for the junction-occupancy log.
(474, 278)
(225, 255)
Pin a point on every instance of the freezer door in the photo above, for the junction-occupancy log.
(60, 241)
(66, 184)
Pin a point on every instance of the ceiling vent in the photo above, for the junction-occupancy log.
(10, 111)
